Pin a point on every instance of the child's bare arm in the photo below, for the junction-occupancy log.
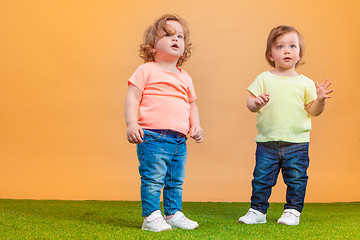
(316, 107)
(134, 131)
(254, 103)
(196, 131)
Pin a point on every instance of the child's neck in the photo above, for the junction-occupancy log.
(285, 72)
(169, 66)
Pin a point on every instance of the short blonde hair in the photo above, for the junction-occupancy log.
(155, 32)
(277, 32)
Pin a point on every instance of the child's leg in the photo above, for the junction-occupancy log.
(294, 168)
(175, 178)
(265, 174)
(153, 158)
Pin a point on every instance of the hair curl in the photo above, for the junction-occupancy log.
(155, 32)
(277, 32)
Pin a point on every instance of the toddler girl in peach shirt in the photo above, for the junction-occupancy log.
(164, 95)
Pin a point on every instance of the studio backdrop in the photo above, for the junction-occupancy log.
(63, 81)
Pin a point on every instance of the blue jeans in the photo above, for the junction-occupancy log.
(293, 160)
(162, 157)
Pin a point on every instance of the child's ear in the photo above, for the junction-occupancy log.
(270, 57)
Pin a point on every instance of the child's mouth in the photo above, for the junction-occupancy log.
(174, 46)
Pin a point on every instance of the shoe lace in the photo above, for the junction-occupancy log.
(159, 219)
(288, 214)
(251, 213)
(184, 218)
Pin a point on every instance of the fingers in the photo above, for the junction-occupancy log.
(262, 99)
(198, 138)
(322, 91)
(130, 139)
(192, 132)
(141, 133)
(326, 85)
(265, 96)
(197, 135)
(135, 136)
(330, 91)
(138, 138)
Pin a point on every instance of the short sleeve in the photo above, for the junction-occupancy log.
(190, 89)
(140, 77)
(310, 91)
(257, 86)
(192, 94)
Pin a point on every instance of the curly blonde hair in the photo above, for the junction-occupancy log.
(155, 32)
(277, 32)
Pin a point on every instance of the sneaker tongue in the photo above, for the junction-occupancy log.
(292, 211)
(177, 216)
(154, 216)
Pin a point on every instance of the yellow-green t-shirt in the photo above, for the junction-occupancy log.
(284, 117)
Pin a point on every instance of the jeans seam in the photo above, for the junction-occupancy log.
(171, 189)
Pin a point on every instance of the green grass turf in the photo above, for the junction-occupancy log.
(50, 219)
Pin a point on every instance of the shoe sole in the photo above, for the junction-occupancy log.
(282, 223)
(250, 223)
(185, 228)
(148, 229)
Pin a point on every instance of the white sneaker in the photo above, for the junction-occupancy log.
(155, 222)
(178, 220)
(253, 217)
(290, 217)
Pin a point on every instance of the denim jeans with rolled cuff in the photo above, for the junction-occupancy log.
(162, 156)
(293, 160)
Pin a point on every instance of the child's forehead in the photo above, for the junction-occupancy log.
(174, 25)
(287, 37)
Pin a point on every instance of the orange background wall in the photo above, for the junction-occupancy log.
(64, 69)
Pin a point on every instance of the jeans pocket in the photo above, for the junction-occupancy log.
(150, 136)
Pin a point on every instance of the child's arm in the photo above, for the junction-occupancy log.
(196, 131)
(316, 107)
(134, 131)
(254, 103)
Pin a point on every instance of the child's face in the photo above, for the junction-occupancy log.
(285, 52)
(170, 47)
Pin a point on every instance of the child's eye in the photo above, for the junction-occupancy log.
(293, 46)
(280, 46)
(180, 36)
(167, 35)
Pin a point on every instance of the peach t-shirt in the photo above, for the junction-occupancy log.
(165, 97)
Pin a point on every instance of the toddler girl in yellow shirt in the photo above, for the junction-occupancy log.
(284, 100)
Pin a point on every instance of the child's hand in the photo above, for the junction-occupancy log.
(321, 90)
(197, 134)
(135, 133)
(262, 100)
